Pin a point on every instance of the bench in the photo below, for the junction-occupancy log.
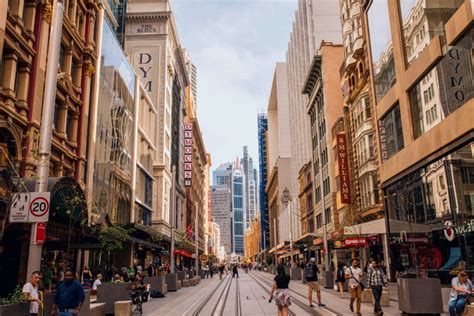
(97, 309)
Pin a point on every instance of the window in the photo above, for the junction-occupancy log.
(391, 133)
(319, 221)
(381, 48)
(57, 109)
(71, 126)
(328, 214)
(368, 110)
(442, 183)
(413, 23)
(318, 194)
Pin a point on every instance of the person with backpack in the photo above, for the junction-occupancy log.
(354, 274)
(311, 274)
(340, 278)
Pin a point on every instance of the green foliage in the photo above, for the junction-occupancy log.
(112, 238)
(13, 298)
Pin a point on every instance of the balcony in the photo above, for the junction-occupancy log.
(358, 47)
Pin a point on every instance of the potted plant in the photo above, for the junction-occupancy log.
(13, 304)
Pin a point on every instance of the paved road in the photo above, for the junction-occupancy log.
(248, 295)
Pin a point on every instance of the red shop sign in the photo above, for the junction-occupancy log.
(355, 242)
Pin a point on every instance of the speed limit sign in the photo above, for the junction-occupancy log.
(39, 207)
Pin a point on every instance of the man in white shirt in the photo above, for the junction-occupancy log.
(354, 274)
(30, 292)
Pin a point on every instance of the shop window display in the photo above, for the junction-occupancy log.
(431, 225)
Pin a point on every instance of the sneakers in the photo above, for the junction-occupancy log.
(311, 305)
(321, 305)
(351, 308)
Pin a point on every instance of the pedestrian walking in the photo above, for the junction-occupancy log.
(460, 291)
(354, 274)
(30, 293)
(235, 271)
(69, 296)
(221, 271)
(280, 288)
(211, 270)
(97, 282)
(340, 278)
(206, 271)
(86, 278)
(377, 280)
(311, 274)
(149, 270)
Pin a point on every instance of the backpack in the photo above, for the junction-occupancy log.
(340, 273)
(310, 271)
(154, 293)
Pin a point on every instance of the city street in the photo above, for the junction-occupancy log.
(248, 295)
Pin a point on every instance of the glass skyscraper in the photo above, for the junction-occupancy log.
(262, 121)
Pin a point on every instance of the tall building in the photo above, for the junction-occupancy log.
(262, 123)
(153, 46)
(221, 207)
(192, 72)
(279, 157)
(223, 175)
(251, 202)
(421, 79)
(315, 21)
(24, 36)
(238, 208)
(325, 111)
(366, 201)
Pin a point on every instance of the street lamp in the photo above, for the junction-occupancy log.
(286, 199)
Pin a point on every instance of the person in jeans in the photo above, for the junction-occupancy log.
(311, 274)
(69, 295)
(354, 274)
(377, 280)
(461, 289)
(280, 287)
(30, 293)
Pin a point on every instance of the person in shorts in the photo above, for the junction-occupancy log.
(281, 291)
(311, 274)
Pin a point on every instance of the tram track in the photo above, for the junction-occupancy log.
(299, 302)
(214, 302)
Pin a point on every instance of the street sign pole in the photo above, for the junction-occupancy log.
(34, 255)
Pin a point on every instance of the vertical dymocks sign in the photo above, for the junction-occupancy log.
(343, 169)
(188, 153)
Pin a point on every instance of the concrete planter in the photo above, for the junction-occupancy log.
(20, 309)
(49, 300)
(111, 293)
(296, 273)
(97, 309)
(367, 296)
(158, 283)
(172, 281)
(181, 275)
(327, 280)
(185, 283)
(420, 296)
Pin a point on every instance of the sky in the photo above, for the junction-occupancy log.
(234, 45)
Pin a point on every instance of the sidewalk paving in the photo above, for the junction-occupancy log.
(341, 306)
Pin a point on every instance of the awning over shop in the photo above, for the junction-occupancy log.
(378, 227)
(454, 258)
(306, 238)
(184, 253)
(272, 250)
(144, 243)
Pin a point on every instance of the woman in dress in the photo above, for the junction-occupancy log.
(86, 278)
(280, 288)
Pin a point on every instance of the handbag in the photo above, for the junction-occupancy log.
(335, 287)
(362, 285)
